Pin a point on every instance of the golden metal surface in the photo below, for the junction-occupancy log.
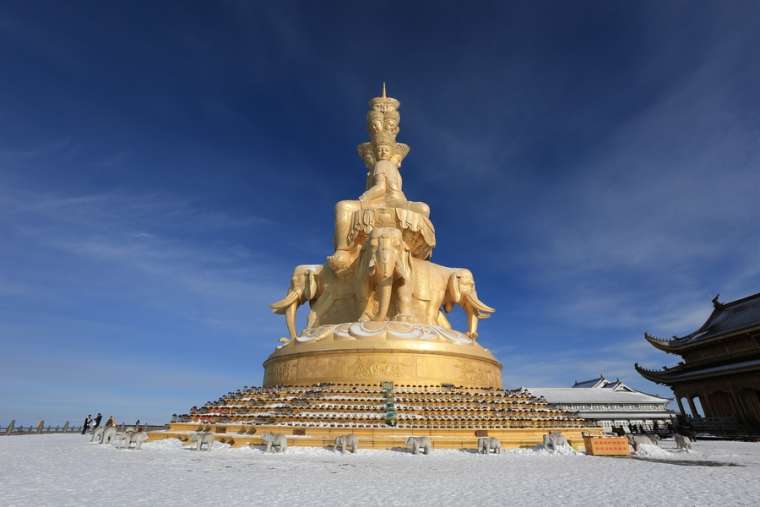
(373, 360)
(380, 272)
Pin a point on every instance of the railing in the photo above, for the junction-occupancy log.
(37, 429)
(718, 425)
(41, 429)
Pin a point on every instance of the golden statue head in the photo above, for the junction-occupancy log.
(375, 122)
(383, 151)
(391, 121)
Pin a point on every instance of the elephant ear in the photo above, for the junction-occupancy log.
(453, 290)
(310, 286)
(404, 264)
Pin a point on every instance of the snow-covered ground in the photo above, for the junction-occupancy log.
(65, 470)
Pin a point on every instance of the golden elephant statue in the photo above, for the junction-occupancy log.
(304, 286)
(322, 289)
(411, 289)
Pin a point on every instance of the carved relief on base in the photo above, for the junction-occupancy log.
(366, 367)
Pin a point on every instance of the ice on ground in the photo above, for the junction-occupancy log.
(65, 470)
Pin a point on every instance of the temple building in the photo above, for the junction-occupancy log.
(609, 403)
(717, 382)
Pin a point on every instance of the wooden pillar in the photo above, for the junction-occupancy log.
(693, 408)
(680, 405)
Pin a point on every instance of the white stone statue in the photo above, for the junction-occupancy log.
(275, 442)
(636, 441)
(202, 439)
(488, 445)
(97, 435)
(556, 442)
(347, 442)
(417, 444)
(682, 442)
(108, 435)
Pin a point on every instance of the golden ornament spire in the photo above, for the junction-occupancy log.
(384, 95)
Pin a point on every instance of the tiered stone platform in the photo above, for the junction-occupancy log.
(382, 415)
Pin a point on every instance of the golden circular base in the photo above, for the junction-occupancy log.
(372, 359)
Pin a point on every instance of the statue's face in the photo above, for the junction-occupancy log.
(376, 125)
(384, 152)
(391, 125)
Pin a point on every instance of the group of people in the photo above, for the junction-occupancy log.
(91, 423)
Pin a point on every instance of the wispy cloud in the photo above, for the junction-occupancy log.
(124, 280)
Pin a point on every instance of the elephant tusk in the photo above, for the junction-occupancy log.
(283, 304)
(482, 310)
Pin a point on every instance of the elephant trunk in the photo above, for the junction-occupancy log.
(288, 306)
(383, 291)
(475, 309)
(385, 266)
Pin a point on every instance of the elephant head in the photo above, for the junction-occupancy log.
(387, 260)
(461, 290)
(304, 286)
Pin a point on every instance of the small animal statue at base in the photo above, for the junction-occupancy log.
(415, 444)
(136, 440)
(554, 442)
(682, 442)
(97, 435)
(109, 434)
(350, 442)
(201, 439)
(130, 439)
(636, 441)
(120, 440)
(275, 440)
(486, 445)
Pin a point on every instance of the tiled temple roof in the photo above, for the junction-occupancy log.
(726, 319)
(555, 395)
(678, 373)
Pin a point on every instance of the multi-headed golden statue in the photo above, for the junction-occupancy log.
(378, 304)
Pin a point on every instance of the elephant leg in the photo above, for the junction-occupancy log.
(472, 324)
(319, 307)
(383, 291)
(441, 320)
(404, 295)
(290, 319)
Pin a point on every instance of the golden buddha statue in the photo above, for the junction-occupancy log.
(379, 290)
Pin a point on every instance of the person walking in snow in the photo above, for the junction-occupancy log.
(98, 418)
(86, 423)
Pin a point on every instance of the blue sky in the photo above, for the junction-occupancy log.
(163, 166)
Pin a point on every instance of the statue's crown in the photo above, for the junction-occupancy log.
(383, 121)
(384, 103)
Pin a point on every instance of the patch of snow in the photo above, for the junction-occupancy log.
(63, 470)
(653, 451)
(159, 445)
